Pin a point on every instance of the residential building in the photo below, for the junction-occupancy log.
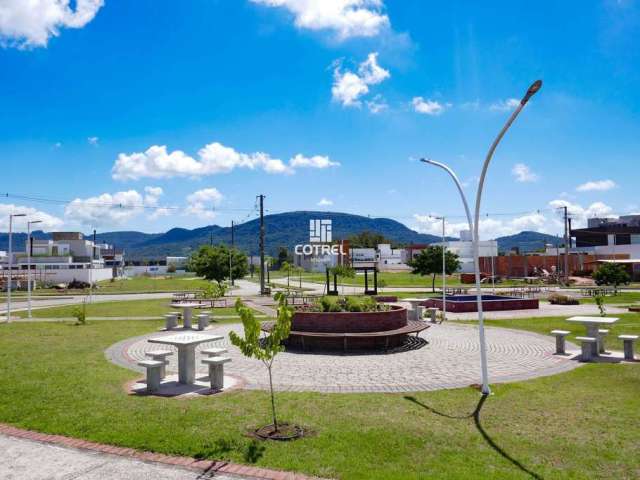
(66, 257)
(610, 236)
(464, 249)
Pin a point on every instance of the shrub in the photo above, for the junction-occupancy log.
(171, 268)
(559, 299)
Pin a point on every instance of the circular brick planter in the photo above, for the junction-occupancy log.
(350, 330)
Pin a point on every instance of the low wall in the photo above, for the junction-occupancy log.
(487, 305)
(349, 322)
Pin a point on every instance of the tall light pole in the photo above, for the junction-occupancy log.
(29, 244)
(474, 225)
(444, 269)
(11, 217)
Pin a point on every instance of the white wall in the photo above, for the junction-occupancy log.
(136, 271)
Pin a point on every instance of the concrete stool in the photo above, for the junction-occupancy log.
(153, 373)
(216, 371)
(203, 321)
(587, 348)
(602, 333)
(420, 312)
(560, 340)
(629, 341)
(160, 356)
(432, 313)
(213, 352)
(170, 321)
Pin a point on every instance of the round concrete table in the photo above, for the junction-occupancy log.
(415, 303)
(187, 312)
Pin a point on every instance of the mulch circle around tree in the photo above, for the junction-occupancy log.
(285, 432)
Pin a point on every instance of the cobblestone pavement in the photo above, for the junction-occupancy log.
(450, 359)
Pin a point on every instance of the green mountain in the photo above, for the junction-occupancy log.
(527, 241)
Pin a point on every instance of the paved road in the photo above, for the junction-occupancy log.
(28, 460)
(244, 288)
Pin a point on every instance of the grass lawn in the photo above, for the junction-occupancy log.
(402, 279)
(582, 424)
(622, 298)
(130, 308)
(629, 323)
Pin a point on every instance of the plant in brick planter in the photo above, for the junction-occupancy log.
(266, 349)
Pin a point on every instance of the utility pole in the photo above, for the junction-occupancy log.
(231, 256)
(566, 246)
(262, 285)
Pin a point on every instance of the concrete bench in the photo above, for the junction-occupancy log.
(216, 371)
(160, 356)
(602, 333)
(561, 336)
(153, 373)
(587, 344)
(203, 321)
(170, 321)
(213, 352)
(432, 313)
(629, 341)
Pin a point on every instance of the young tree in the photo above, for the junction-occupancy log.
(283, 257)
(264, 349)
(429, 262)
(212, 263)
(287, 268)
(611, 274)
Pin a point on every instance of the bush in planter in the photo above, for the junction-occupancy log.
(559, 299)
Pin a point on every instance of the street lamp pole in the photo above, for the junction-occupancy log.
(474, 224)
(29, 263)
(11, 217)
(444, 270)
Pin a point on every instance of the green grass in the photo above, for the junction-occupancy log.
(582, 424)
(129, 308)
(629, 324)
(620, 298)
(401, 279)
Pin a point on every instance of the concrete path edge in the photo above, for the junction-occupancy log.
(203, 466)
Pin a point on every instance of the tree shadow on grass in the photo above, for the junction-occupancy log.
(476, 420)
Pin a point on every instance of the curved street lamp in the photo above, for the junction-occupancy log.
(474, 224)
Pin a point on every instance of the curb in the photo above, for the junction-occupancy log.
(202, 466)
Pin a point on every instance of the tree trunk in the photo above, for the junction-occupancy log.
(433, 283)
(273, 401)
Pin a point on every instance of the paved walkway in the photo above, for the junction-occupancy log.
(450, 359)
(29, 460)
(29, 455)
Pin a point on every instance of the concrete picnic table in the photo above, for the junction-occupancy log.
(187, 312)
(186, 344)
(415, 303)
(592, 325)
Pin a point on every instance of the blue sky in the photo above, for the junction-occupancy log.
(318, 105)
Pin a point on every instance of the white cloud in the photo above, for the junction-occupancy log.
(596, 186)
(317, 161)
(489, 227)
(152, 194)
(377, 104)
(504, 105)
(105, 209)
(203, 202)
(581, 214)
(349, 87)
(49, 222)
(93, 141)
(523, 173)
(325, 202)
(347, 18)
(428, 107)
(214, 158)
(31, 23)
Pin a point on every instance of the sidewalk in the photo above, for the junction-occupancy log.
(28, 455)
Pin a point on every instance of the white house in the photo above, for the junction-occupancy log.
(464, 249)
(67, 256)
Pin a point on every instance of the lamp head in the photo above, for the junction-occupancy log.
(18, 215)
(35, 221)
(533, 89)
